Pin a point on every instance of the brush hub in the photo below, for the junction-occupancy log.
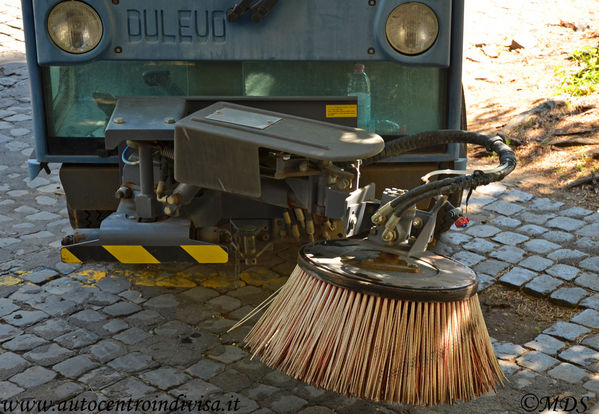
(366, 267)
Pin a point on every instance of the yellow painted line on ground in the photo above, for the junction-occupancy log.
(207, 253)
(164, 281)
(131, 254)
(67, 257)
(222, 281)
(162, 277)
(91, 276)
(9, 281)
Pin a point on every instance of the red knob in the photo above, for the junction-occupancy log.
(462, 222)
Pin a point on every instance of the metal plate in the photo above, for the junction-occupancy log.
(366, 267)
(290, 134)
(191, 30)
(243, 118)
(143, 118)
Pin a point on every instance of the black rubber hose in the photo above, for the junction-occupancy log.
(446, 136)
(426, 139)
(451, 185)
(424, 188)
(399, 146)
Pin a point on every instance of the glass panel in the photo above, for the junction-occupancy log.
(404, 99)
(80, 99)
(86, 94)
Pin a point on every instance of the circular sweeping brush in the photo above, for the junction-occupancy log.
(366, 321)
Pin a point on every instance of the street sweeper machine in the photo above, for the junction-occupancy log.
(210, 130)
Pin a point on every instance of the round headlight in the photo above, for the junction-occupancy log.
(412, 28)
(74, 26)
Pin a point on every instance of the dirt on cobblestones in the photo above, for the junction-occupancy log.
(516, 317)
(503, 81)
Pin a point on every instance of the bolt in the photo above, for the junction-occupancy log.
(417, 223)
(169, 120)
(119, 121)
(371, 51)
(123, 192)
(378, 219)
(118, 49)
(173, 199)
(389, 236)
(372, 2)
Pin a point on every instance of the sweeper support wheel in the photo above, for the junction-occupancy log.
(369, 322)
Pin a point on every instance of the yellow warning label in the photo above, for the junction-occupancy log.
(68, 257)
(131, 254)
(342, 111)
(207, 253)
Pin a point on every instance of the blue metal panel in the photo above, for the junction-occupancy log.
(454, 104)
(37, 103)
(33, 167)
(454, 95)
(198, 30)
(337, 32)
(39, 125)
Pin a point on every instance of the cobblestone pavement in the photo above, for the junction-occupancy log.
(69, 332)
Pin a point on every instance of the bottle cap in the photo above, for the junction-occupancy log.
(462, 222)
(358, 68)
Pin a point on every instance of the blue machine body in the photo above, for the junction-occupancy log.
(190, 31)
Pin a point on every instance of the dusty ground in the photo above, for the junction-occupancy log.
(503, 80)
(514, 316)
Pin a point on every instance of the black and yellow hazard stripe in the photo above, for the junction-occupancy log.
(136, 254)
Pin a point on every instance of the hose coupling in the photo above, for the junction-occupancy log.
(380, 216)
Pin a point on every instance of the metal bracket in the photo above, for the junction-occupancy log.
(34, 166)
(360, 205)
(426, 234)
(245, 233)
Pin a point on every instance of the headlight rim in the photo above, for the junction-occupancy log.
(394, 46)
(73, 51)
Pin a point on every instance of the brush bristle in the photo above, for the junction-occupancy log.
(376, 348)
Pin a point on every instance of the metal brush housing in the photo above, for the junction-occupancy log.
(371, 268)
